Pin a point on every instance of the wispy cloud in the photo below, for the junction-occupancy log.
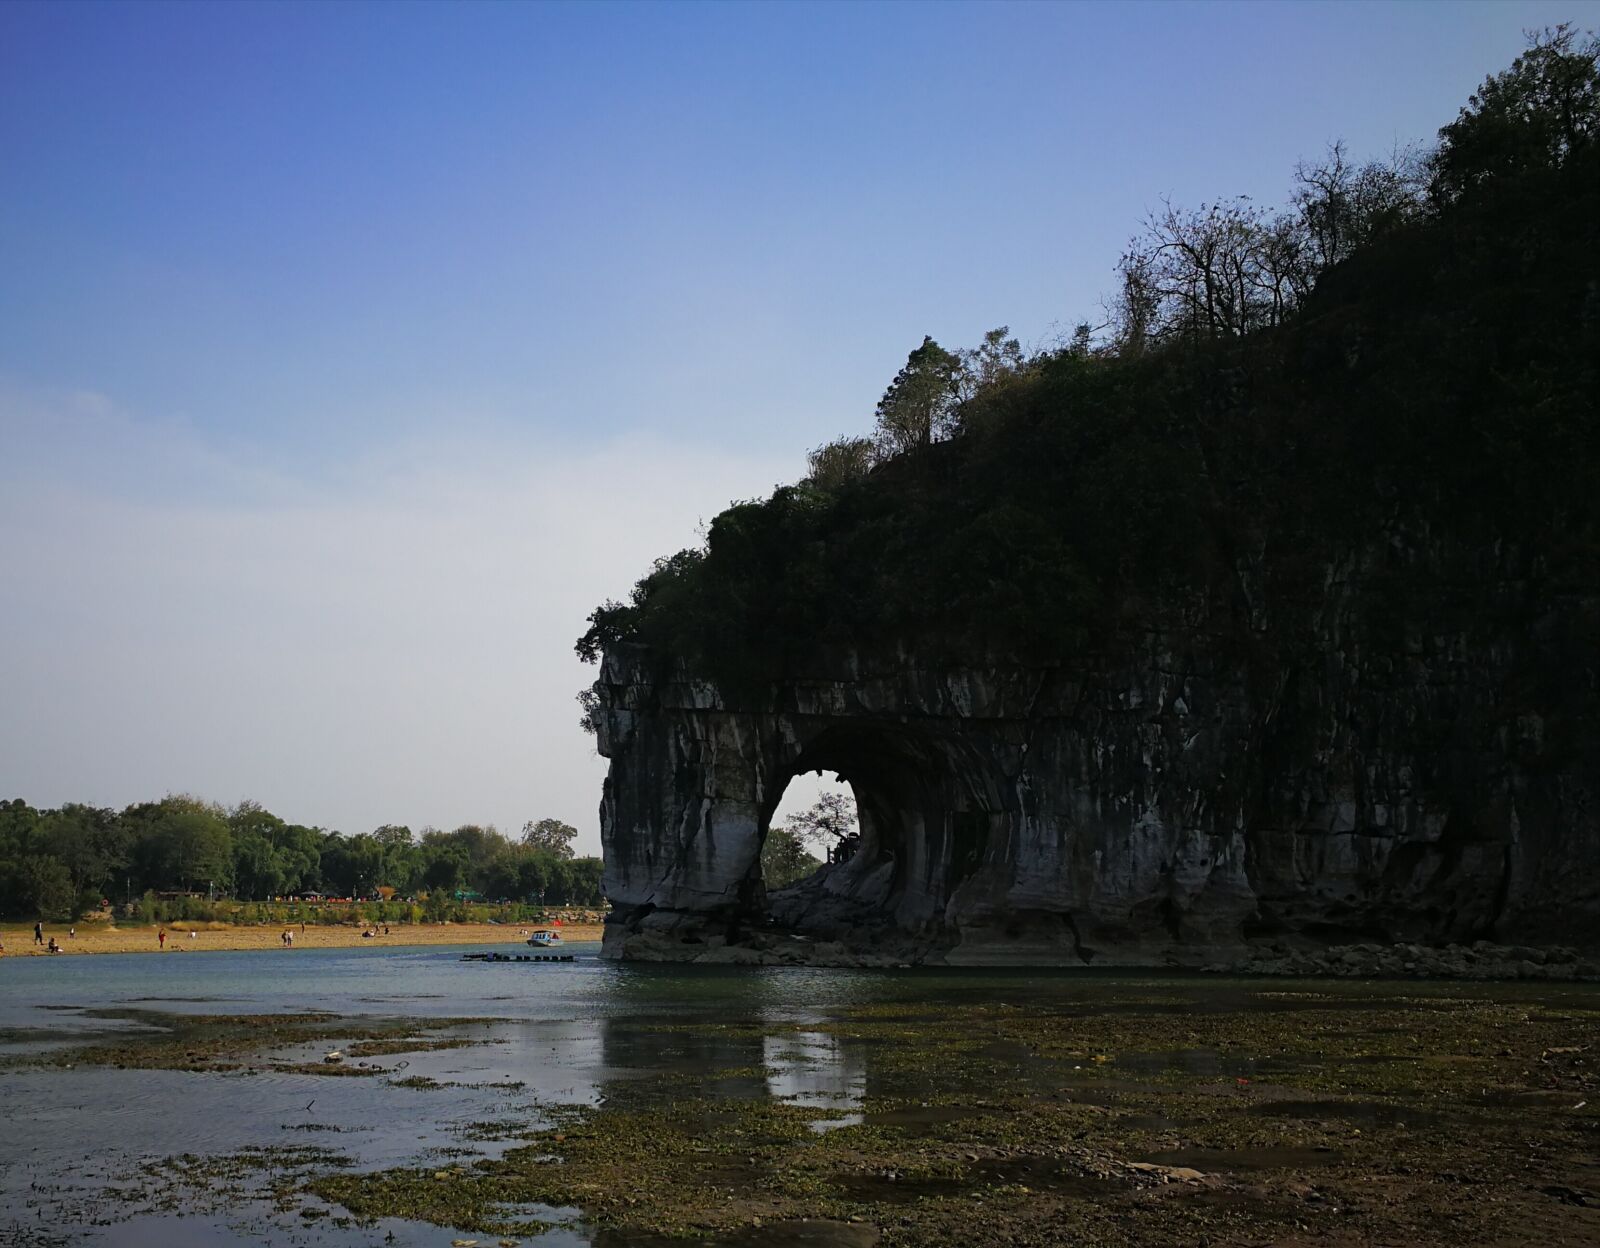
(390, 641)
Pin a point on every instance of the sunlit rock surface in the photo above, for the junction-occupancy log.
(1208, 779)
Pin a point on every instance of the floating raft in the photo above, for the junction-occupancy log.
(516, 957)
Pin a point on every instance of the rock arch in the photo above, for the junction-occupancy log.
(997, 827)
(932, 814)
(1179, 791)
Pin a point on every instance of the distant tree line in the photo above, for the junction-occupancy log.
(62, 863)
(786, 854)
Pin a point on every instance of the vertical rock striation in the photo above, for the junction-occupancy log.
(1354, 763)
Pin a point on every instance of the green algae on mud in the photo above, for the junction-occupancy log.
(1115, 1114)
(990, 1124)
(192, 1184)
(159, 1040)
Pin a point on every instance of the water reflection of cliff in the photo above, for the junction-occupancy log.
(817, 1069)
(647, 1062)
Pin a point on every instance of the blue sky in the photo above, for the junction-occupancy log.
(349, 353)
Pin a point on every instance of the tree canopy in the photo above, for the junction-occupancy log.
(60, 863)
(830, 819)
(550, 835)
(1540, 116)
(1414, 335)
(918, 405)
(785, 859)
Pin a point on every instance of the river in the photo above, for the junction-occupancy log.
(96, 1154)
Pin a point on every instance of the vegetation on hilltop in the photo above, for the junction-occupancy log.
(1410, 342)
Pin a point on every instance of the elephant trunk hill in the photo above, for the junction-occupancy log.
(1165, 798)
(1190, 647)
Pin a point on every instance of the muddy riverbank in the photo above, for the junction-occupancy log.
(1480, 960)
(89, 937)
(596, 1104)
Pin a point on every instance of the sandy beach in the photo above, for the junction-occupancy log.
(98, 938)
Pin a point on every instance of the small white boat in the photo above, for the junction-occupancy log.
(544, 937)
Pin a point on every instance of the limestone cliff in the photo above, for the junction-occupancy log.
(1218, 768)
(1284, 632)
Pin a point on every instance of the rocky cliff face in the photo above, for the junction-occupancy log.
(1409, 752)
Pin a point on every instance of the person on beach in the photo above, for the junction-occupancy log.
(54, 948)
(161, 937)
(38, 933)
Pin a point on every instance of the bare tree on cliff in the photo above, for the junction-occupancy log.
(1217, 272)
(830, 820)
(1342, 206)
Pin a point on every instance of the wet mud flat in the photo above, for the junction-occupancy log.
(905, 1111)
(1291, 1121)
(141, 1126)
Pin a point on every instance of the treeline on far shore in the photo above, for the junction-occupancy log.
(186, 858)
(154, 908)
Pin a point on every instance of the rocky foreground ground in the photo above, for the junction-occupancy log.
(1479, 960)
(1116, 1113)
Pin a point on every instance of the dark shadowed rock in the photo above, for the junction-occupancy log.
(1199, 783)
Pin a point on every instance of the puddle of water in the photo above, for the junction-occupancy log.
(1006, 1051)
(1367, 1113)
(1039, 1173)
(174, 1000)
(1537, 1098)
(1229, 1159)
(578, 1033)
(920, 1119)
(815, 1233)
(1148, 1122)
(817, 1070)
(1210, 1064)
(190, 1231)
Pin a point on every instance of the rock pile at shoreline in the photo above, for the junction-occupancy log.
(1479, 960)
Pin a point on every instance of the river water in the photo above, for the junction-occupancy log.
(576, 1032)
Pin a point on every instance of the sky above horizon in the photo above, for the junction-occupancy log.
(350, 354)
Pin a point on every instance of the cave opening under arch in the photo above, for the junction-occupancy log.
(928, 814)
